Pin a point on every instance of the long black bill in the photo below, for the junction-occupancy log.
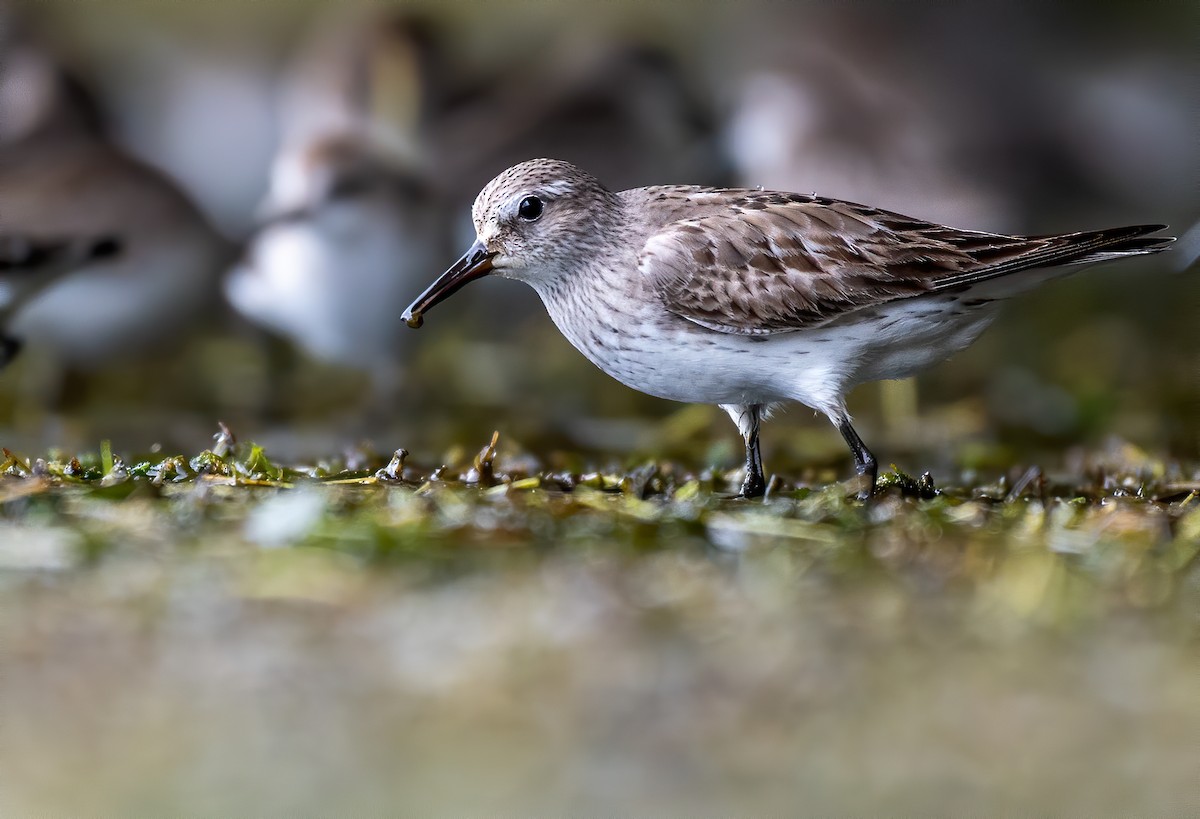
(475, 263)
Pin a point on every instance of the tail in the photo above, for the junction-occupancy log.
(1014, 254)
(1117, 243)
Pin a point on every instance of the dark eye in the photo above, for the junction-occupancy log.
(530, 208)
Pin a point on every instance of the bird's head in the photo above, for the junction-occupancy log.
(535, 222)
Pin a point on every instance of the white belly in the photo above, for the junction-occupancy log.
(675, 359)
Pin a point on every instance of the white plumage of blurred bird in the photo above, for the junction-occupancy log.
(344, 235)
(348, 225)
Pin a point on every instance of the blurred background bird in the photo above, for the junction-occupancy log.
(72, 198)
(1005, 127)
(348, 224)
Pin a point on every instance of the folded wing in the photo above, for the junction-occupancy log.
(772, 262)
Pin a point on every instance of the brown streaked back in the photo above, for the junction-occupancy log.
(762, 262)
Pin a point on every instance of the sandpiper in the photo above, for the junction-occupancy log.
(350, 222)
(158, 286)
(344, 232)
(61, 177)
(750, 298)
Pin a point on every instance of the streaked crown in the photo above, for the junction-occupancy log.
(541, 215)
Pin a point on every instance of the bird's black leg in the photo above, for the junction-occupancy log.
(755, 484)
(864, 461)
(747, 417)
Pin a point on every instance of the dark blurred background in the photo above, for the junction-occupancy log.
(283, 177)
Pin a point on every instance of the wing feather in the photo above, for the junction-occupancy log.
(763, 262)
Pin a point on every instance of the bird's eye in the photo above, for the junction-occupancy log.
(530, 208)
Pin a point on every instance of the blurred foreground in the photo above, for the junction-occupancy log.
(220, 634)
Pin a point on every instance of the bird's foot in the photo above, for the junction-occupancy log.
(754, 485)
(868, 478)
